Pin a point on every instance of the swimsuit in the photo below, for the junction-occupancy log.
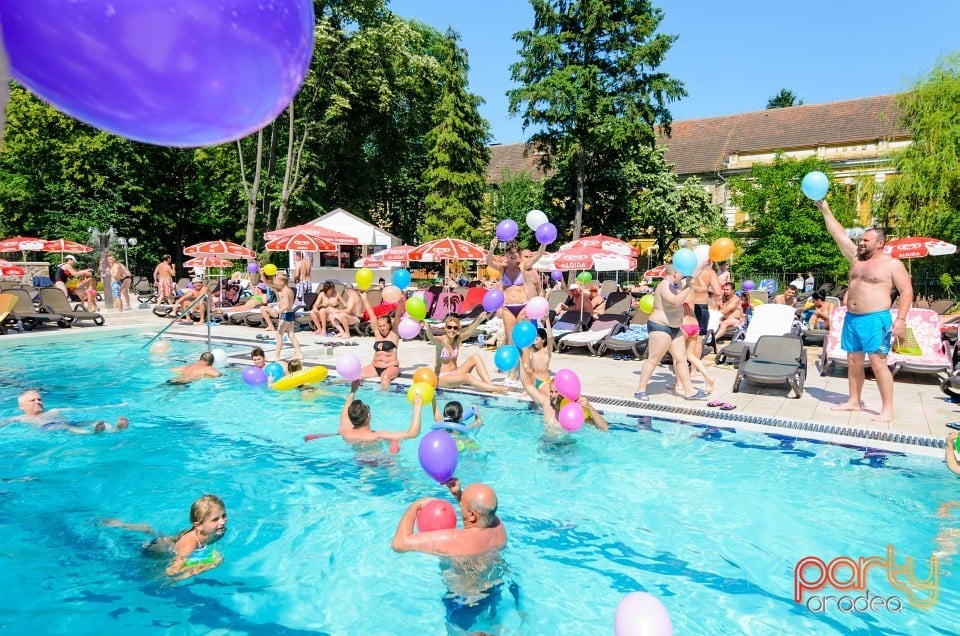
(115, 287)
(288, 316)
(449, 354)
(867, 333)
(702, 312)
(516, 282)
(515, 309)
(384, 345)
(656, 326)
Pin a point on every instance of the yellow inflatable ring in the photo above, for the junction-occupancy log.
(756, 302)
(307, 376)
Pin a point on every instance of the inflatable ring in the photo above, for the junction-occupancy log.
(756, 302)
(292, 381)
(451, 426)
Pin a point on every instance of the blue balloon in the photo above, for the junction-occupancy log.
(768, 285)
(815, 185)
(524, 333)
(506, 357)
(685, 260)
(274, 371)
(401, 278)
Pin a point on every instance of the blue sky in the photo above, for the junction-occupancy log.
(732, 55)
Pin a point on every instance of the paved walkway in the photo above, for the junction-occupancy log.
(921, 409)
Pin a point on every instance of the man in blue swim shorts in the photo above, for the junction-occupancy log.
(868, 327)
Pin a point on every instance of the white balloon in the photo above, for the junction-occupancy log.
(159, 347)
(536, 218)
(642, 614)
(703, 253)
(219, 357)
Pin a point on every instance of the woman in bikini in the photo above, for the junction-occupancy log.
(451, 374)
(513, 282)
(385, 364)
(691, 329)
(665, 334)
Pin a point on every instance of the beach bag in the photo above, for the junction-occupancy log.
(907, 345)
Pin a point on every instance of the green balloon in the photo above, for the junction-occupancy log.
(416, 309)
(584, 277)
(646, 304)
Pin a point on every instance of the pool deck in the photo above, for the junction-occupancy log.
(919, 425)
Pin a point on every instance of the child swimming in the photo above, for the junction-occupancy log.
(453, 415)
(191, 547)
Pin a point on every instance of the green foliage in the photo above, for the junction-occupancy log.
(511, 198)
(458, 153)
(785, 231)
(947, 281)
(924, 199)
(784, 99)
(588, 81)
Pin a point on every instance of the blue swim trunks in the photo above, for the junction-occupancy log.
(115, 288)
(867, 333)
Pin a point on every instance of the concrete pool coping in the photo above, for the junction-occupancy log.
(919, 425)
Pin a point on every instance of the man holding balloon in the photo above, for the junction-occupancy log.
(355, 423)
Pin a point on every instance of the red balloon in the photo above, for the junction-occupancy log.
(436, 515)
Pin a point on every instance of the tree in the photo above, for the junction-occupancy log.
(588, 79)
(458, 153)
(512, 198)
(785, 230)
(669, 211)
(784, 99)
(924, 198)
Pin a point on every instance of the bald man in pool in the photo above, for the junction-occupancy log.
(482, 529)
(31, 403)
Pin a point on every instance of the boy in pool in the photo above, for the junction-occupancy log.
(31, 403)
(355, 424)
(191, 547)
(453, 414)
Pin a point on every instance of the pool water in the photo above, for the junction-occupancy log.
(712, 522)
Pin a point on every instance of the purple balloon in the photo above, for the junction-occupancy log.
(493, 300)
(547, 233)
(252, 268)
(507, 230)
(556, 275)
(168, 72)
(438, 455)
(408, 328)
(254, 376)
(748, 285)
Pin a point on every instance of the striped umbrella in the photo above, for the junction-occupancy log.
(21, 244)
(66, 247)
(9, 269)
(224, 249)
(305, 240)
(333, 236)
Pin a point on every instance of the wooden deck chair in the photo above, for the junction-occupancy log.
(774, 360)
(54, 301)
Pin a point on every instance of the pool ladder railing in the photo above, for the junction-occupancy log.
(179, 316)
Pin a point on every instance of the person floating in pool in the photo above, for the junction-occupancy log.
(452, 420)
(355, 424)
(473, 567)
(549, 399)
(202, 368)
(190, 548)
(31, 403)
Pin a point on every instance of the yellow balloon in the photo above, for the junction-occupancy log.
(646, 303)
(364, 278)
(586, 412)
(755, 302)
(270, 269)
(424, 389)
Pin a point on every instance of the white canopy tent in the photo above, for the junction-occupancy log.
(370, 237)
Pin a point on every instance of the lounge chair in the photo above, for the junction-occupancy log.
(619, 302)
(942, 307)
(608, 287)
(604, 326)
(819, 336)
(473, 299)
(447, 303)
(569, 322)
(53, 301)
(7, 301)
(768, 320)
(633, 338)
(774, 360)
(25, 312)
(710, 340)
(833, 354)
(934, 356)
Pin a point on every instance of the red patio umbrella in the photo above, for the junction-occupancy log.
(9, 269)
(573, 259)
(390, 257)
(446, 250)
(305, 240)
(660, 271)
(225, 249)
(601, 242)
(66, 247)
(918, 247)
(21, 244)
(331, 235)
(208, 261)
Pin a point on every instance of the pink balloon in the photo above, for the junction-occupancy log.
(537, 308)
(568, 384)
(408, 329)
(642, 614)
(348, 367)
(571, 417)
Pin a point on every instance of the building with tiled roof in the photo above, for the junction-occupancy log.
(856, 136)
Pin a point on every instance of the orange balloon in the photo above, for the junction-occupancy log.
(426, 374)
(493, 273)
(721, 249)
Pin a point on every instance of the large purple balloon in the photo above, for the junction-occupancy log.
(507, 230)
(438, 455)
(546, 233)
(168, 72)
(492, 300)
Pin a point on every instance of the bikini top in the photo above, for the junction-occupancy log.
(508, 282)
(384, 345)
(449, 354)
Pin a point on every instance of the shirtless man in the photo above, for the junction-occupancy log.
(202, 368)
(287, 325)
(355, 423)
(350, 315)
(788, 297)
(731, 310)
(820, 318)
(197, 289)
(705, 293)
(301, 275)
(867, 327)
(120, 279)
(163, 275)
(31, 404)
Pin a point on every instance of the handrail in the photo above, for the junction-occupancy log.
(181, 315)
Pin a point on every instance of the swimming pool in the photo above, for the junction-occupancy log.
(712, 522)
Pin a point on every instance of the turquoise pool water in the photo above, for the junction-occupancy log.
(711, 522)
